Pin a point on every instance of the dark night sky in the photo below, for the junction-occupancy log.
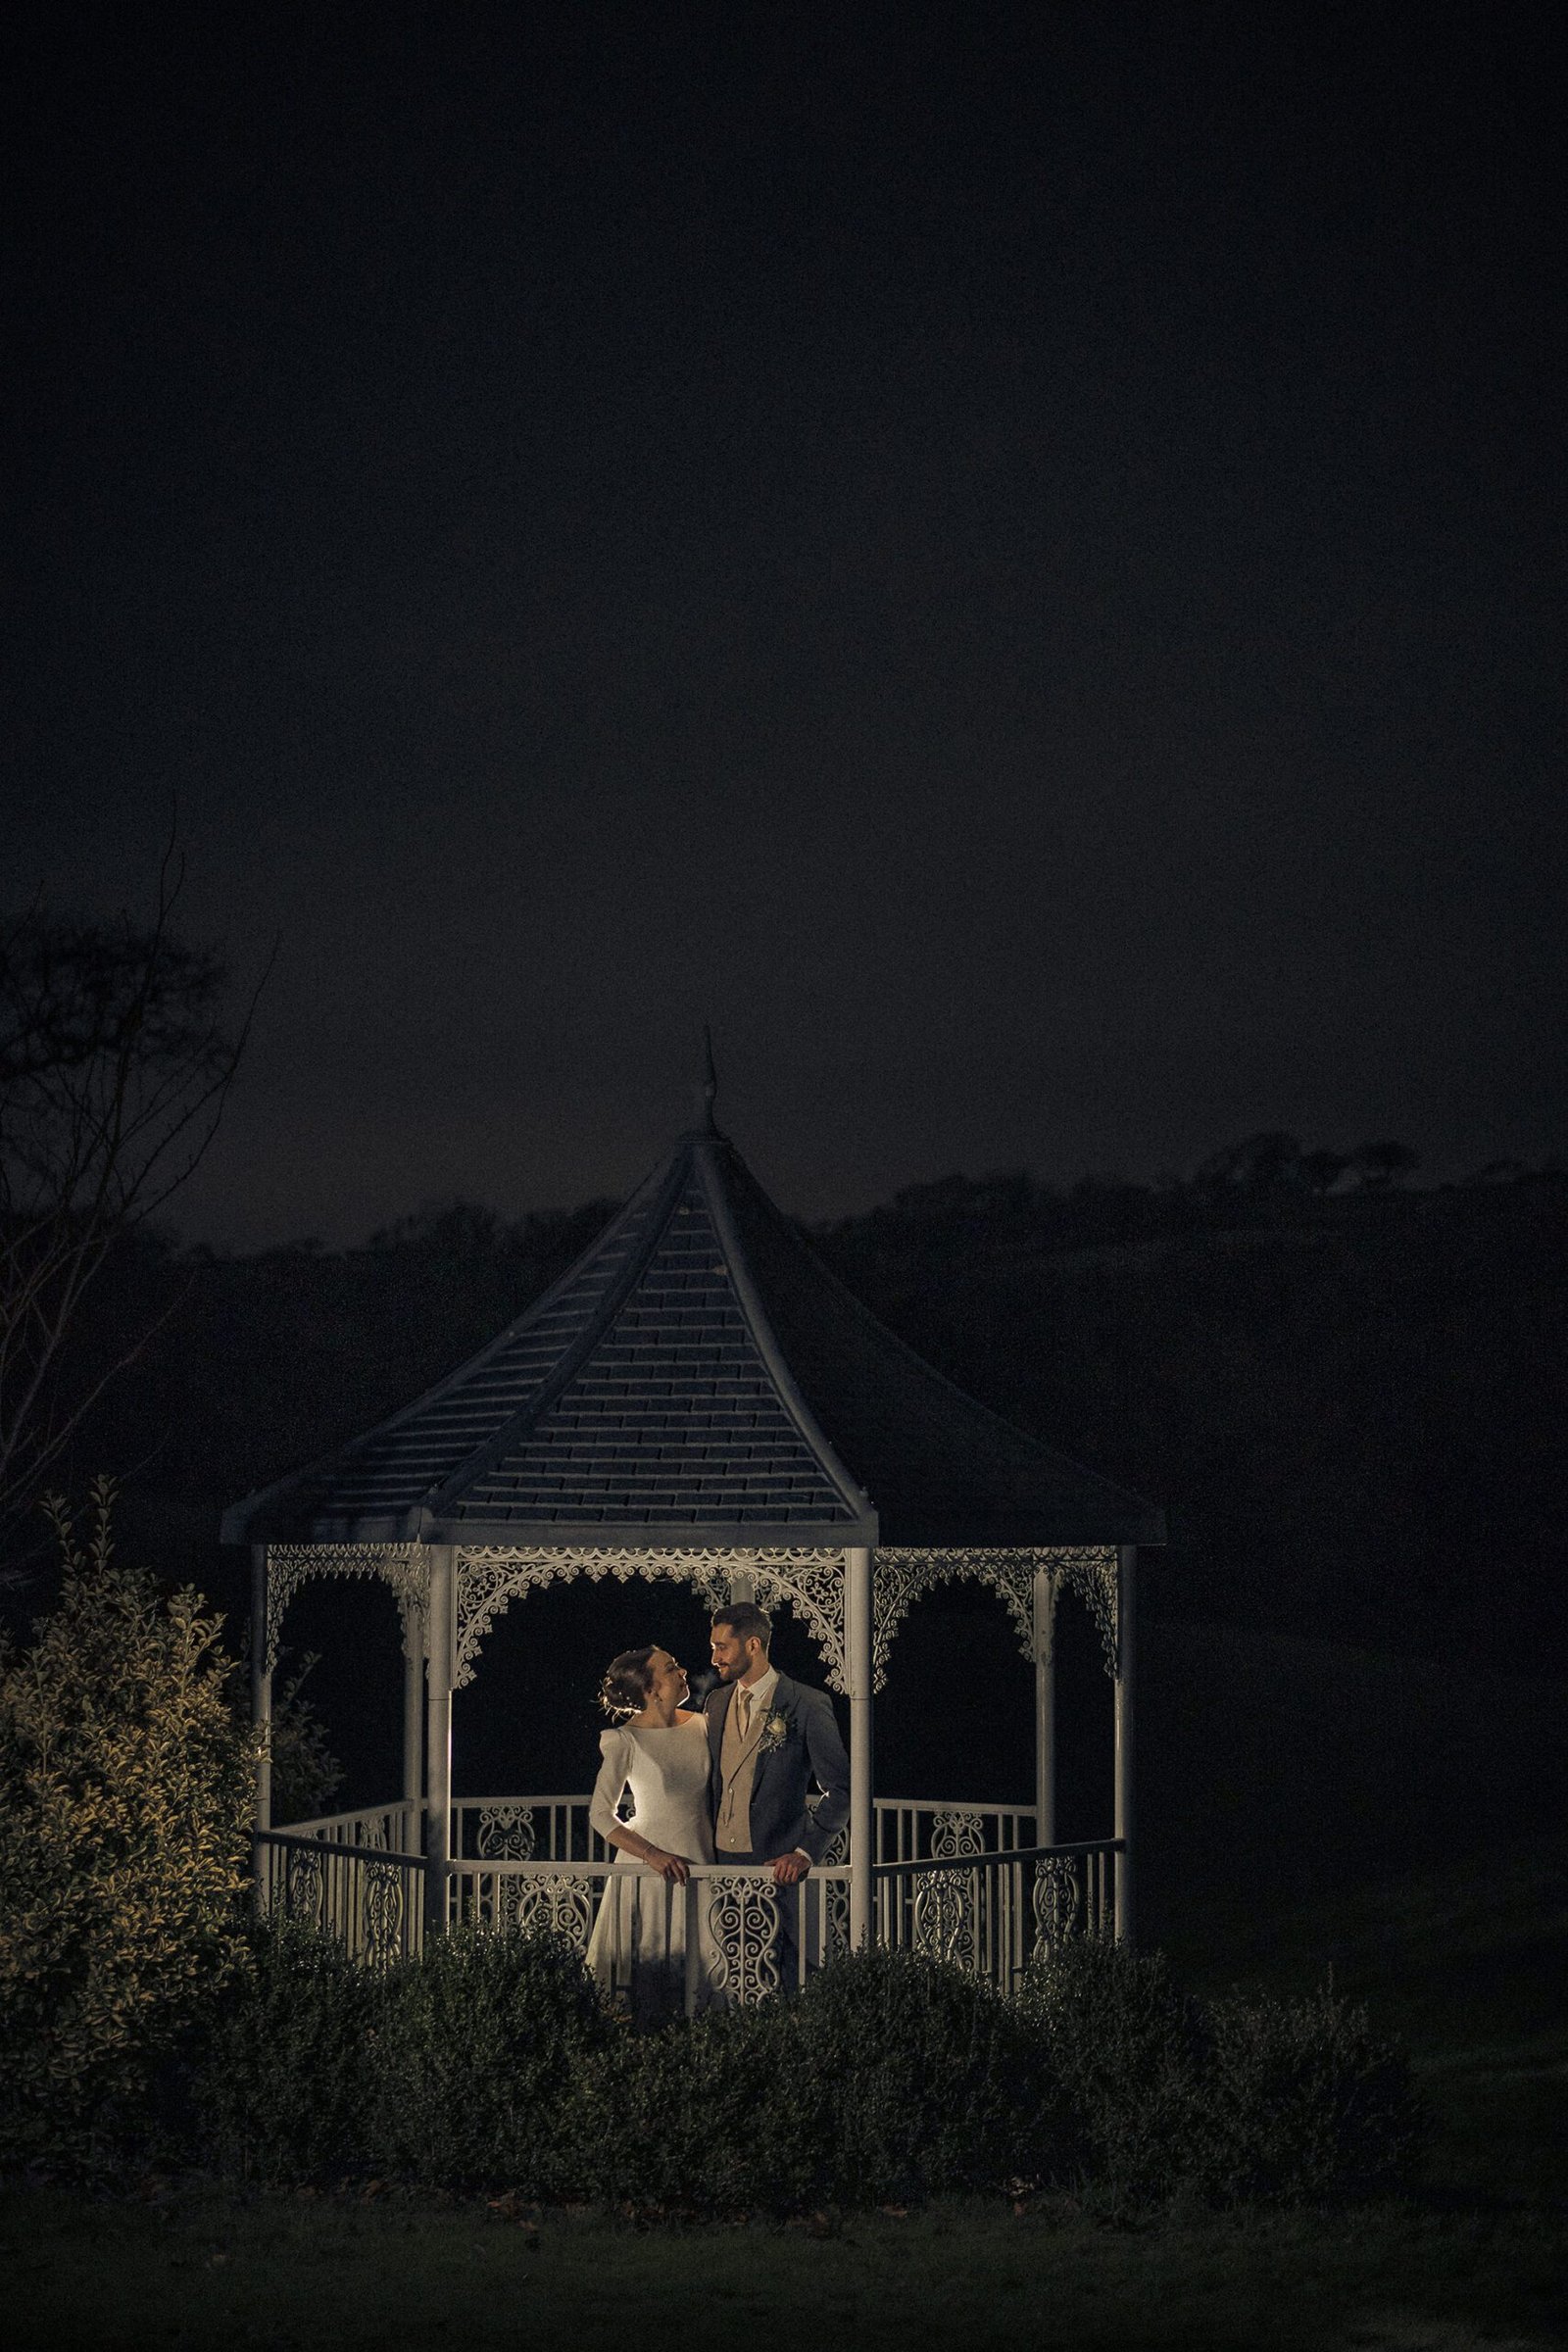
(1011, 559)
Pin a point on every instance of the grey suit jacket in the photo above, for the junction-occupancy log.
(810, 1746)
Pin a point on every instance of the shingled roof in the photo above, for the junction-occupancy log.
(699, 1377)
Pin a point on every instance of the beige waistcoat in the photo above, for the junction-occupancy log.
(737, 1767)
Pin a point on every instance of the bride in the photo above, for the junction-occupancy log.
(658, 1750)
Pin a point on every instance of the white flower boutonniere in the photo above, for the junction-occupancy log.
(775, 1731)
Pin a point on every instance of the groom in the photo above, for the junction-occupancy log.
(765, 1734)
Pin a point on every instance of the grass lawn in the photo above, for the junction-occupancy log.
(1469, 1965)
(206, 2270)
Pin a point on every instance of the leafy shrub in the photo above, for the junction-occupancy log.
(890, 2077)
(125, 1796)
(1303, 2103)
(483, 2035)
(1125, 2047)
(927, 2082)
(492, 2063)
(1250, 2099)
(288, 2084)
(306, 1774)
(699, 2117)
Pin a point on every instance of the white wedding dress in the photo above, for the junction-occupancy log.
(637, 1950)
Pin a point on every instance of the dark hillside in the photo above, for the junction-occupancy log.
(1353, 1407)
(1354, 1410)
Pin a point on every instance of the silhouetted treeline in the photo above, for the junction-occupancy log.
(1352, 1401)
(1349, 1393)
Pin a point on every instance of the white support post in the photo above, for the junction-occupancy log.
(412, 1732)
(440, 1673)
(863, 1779)
(1045, 1633)
(1126, 1672)
(261, 1686)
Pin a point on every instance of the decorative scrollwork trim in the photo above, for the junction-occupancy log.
(1093, 1577)
(492, 1575)
(381, 1913)
(402, 1566)
(744, 1922)
(903, 1575)
(506, 1834)
(942, 1920)
(956, 1837)
(1058, 1898)
(558, 1902)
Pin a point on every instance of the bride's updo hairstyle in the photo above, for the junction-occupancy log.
(626, 1687)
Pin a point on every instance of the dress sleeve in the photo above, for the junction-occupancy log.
(615, 1747)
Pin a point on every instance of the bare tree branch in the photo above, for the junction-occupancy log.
(116, 1064)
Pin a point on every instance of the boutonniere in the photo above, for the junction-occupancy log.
(775, 1731)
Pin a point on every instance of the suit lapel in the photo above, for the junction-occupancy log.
(775, 1704)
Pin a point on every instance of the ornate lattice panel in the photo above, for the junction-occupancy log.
(492, 1575)
(506, 1834)
(381, 1913)
(954, 1836)
(561, 1901)
(944, 1923)
(402, 1566)
(305, 1898)
(903, 1575)
(836, 1924)
(1058, 1898)
(744, 1922)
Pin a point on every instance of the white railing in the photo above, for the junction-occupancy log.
(990, 1912)
(510, 1829)
(911, 1829)
(743, 1937)
(964, 1882)
(370, 1899)
(385, 1828)
(555, 1829)
(525, 1829)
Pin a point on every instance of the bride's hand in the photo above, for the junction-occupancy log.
(668, 1866)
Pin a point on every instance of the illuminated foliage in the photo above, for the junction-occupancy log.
(125, 1783)
(306, 1774)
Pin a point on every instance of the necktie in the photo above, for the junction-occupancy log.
(746, 1713)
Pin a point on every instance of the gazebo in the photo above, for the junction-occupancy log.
(698, 1397)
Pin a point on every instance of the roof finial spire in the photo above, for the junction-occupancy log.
(706, 1086)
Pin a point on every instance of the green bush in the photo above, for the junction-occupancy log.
(1246, 2100)
(124, 1797)
(484, 2040)
(1124, 2045)
(306, 1774)
(492, 2063)
(1303, 2103)
(452, 2069)
(699, 2119)
(287, 2085)
(927, 2082)
(890, 2077)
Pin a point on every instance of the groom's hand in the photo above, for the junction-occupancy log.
(790, 1869)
